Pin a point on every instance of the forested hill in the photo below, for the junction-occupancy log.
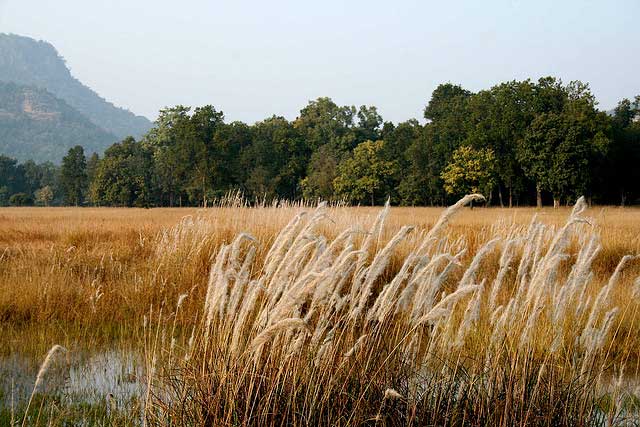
(35, 125)
(28, 62)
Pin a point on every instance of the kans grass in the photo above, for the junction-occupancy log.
(294, 315)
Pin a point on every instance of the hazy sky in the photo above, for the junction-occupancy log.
(256, 58)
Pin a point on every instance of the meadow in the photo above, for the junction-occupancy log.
(330, 315)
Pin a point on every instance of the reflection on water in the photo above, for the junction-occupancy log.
(80, 378)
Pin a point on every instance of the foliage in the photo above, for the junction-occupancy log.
(44, 196)
(73, 176)
(20, 199)
(322, 171)
(364, 176)
(123, 177)
(547, 139)
(470, 171)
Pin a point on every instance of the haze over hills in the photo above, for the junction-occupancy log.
(36, 125)
(64, 110)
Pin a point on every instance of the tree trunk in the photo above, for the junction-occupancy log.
(623, 198)
(556, 202)
(510, 197)
(538, 197)
(204, 194)
(372, 198)
(500, 196)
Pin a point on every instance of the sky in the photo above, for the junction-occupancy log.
(253, 59)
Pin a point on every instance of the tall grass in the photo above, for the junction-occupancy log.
(515, 329)
(291, 315)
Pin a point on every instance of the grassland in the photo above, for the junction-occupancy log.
(393, 326)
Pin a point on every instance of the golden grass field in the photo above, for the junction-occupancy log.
(95, 278)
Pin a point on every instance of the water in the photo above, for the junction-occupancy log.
(110, 376)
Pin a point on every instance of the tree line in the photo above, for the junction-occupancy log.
(519, 143)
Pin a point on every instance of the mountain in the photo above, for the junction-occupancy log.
(28, 62)
(34, 124)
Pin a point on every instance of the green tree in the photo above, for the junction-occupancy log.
(498, 120)
(323, 122)
(420, 182)
(20, 199)
(322, 171)
(11, 175)
(470, 171)
(621, 175)
(163, 141)
(92, 167)
(565, 145)
(73, 176)
(123, 177)
(366, 174)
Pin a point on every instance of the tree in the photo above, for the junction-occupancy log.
(365, 175)
(322, 171)
(92, 167)
(369, 122)
(420, 183)
(323, 122)
(73, 176)
(11, 175)
(397, 142)
(20, 199)
(278, 157)
(621, 176)
(44, 196)
(123, 177)
(498, 119)
(470, 171)
(448, 116)
(565, 144)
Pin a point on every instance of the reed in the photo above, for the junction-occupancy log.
(322, 330)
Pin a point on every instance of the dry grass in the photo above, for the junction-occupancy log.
(341, 343)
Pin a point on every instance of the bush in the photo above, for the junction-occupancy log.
(20, 199)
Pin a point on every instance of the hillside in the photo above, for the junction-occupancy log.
(36, 125)
(28, 62)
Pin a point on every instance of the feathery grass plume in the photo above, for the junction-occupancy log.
(46, 365)
(42, 372)
(376, 230)
(238, 291)
(424, 298)
(356, 347)
(635, 290)
(470, 317)
(214, 290)
(282, 326)
(391, 394)
(384, 303)
(448, 302)
(326, 323)
(376, 268)
(450, 212)
(587, 337)
(508, 253)
(469, 274)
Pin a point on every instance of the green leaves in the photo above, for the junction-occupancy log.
(364, 176)
(470, 171)
(73, 176)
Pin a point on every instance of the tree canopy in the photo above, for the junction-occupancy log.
(519, 142)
